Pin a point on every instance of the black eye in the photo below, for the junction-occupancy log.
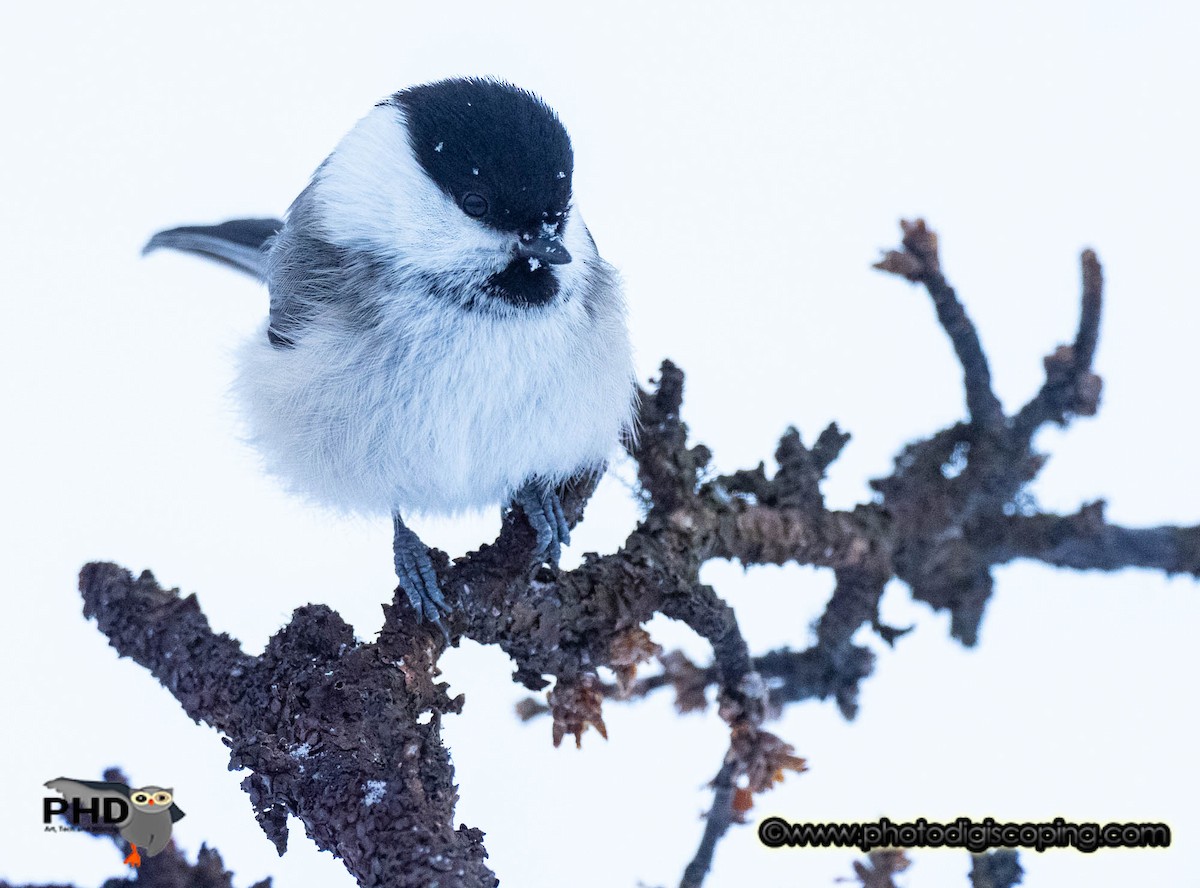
(474, 204)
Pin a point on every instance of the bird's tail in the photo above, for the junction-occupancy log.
(241, 243)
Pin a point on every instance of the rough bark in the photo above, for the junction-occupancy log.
(346, 735)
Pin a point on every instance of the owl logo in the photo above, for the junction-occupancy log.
(151, 811)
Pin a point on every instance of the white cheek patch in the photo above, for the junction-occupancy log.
(575, 238)
(375, 195)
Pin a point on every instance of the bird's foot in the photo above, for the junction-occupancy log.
(134, 859)
(415, 572)
(541, 505)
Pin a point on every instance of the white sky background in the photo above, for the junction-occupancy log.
(742, 168)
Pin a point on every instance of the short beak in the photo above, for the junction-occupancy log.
(543, 247)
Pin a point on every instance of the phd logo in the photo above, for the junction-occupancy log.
(143, 816)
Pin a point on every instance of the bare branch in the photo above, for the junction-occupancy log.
(1070, 387)
(756, 758)
(1085, 541)
(720, 817)
(920, 262)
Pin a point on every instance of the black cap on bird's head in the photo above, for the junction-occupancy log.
(500, 153)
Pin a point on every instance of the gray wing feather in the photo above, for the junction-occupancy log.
(242, 243)
(309, 277)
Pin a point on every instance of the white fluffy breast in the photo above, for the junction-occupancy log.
(438, 417)
(437, 409)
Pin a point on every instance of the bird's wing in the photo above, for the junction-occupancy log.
(242, 243)
(307, 274)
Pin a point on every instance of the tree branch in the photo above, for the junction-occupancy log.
(919, 261)
(720, 817)
(1085, 541)
(1070, 387)
(329, 728)
(346, 736)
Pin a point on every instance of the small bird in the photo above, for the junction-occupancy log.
(443, 334)
(152, 811)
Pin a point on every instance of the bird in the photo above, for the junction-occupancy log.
(151, 811)
(443, 334)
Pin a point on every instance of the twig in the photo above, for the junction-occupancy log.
(1070, 386)
(1085, 541)
(920, 262)
(720, 816)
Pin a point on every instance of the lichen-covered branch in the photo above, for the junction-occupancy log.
(346, 735)
(329, 729)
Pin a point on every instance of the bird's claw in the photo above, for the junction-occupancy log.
(541, 505)
(417, 578)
